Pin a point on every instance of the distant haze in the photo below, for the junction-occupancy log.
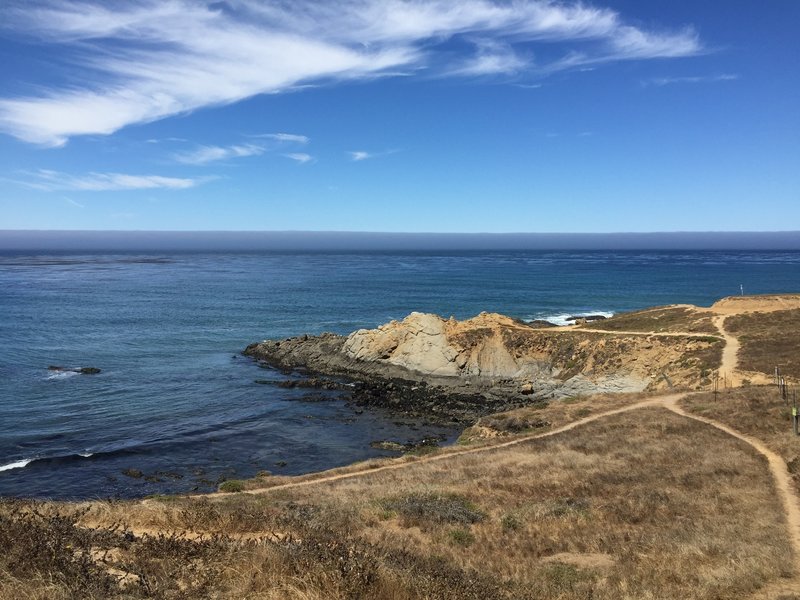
(18, 240)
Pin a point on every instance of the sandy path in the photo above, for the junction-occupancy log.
(649, 333)
(580, 329)
(657, 401)
(730, 354)
(783, 484)
(777, 467)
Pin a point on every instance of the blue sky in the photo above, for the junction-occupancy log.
(392, 115)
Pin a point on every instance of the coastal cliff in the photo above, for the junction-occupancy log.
(493, 358)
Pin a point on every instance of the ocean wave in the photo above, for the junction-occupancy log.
(562, 319)
(60, 459)
(20, 464)
(62, 374)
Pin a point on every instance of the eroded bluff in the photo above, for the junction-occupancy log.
(492, 355)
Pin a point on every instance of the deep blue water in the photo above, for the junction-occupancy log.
(166, 329)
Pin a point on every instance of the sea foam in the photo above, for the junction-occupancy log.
(564, 318)
(17, 465)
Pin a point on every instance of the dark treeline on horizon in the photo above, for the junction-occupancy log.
(313, 241)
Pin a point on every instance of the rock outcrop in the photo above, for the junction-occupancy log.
(491, 360)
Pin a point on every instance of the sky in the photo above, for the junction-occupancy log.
(400, 115)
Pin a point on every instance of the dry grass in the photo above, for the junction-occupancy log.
(669, 319)
(758, 411)
(545, 416)
(676, 519)
(643, 504)
(768, 340)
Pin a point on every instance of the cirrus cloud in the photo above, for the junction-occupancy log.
(47, 180)
(145, 60)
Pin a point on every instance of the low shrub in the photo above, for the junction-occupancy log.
(232, 485)
(433, 508)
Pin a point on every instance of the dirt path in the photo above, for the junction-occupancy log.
(783, 484)
(730, 354)
(657, 401)
(577, 328)
(729, 366)
(777, 467)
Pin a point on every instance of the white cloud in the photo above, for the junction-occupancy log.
(206, 154)
(72, 202)
(358, 155)
(47, 180)
(300, 157)
(491, 58)
(145, 60)
(662, 81)
(284, 137)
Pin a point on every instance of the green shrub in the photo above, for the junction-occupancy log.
(461, 537)
(433, 508)
(232, 485)
(510, 523)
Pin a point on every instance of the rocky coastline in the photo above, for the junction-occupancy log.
(445, 370)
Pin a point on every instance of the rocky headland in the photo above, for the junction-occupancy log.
(426, 364)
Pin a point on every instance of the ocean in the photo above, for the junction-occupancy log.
(177, 402)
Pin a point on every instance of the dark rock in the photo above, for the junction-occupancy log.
(134, 473)
(427, 442)
(540, 324)
(587, 318)
(407, 394)
(81, 370)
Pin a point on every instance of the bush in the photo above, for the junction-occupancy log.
(462, 537)
(232, 485)
(510, 523)
(434, 508)
(38, 544)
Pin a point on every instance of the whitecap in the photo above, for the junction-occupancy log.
(85, 454)
(564, 318)
(62, 374)
(17, 465)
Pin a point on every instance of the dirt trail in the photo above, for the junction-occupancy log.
(783, 484)
(577, 328)
(657, 401)
(729, 367)
(777, 467)
(730, 354)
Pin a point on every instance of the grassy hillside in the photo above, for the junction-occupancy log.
(636, 505)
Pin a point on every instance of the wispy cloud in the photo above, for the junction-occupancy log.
(206, 154)
(47, 180)
(662, 81)
(491, 58)
(149, 59)
(72, 202)
(161, 141)
(359, 155)
(300, 157)
(284, 137)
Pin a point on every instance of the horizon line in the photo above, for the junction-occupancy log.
(342, 241)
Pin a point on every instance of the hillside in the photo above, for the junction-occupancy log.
(655, 494)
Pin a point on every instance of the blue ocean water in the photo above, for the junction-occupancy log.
(176, 401)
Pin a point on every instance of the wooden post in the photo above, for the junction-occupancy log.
(716, 384)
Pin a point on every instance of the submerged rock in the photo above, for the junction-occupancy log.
(81, 370)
